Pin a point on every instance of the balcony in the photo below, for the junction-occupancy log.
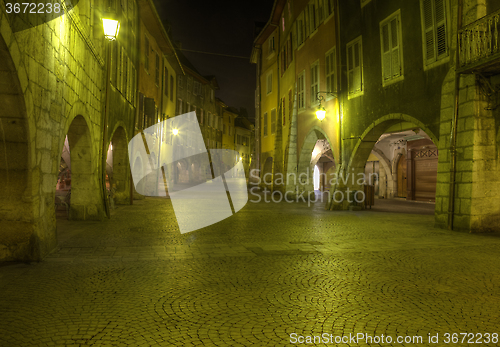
(479, 45)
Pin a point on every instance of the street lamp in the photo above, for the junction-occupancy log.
(321, 111)
(111, 28)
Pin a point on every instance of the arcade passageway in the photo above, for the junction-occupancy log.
(265, 273)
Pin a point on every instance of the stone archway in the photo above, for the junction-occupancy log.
(305, 167)
(19, 239)
(356, 165)
(86, 201)
(387, 172)
(121, 178)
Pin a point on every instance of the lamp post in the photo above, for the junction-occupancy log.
(111, 28)
(321, 111)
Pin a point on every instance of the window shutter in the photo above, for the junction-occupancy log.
(430, 53)
(357, 69)
(306, 21)
(442, 46)
(395, 63)
(386, 52)
(327, 72)
(350, 68)
(273, 121)
(300, 32)
(312, 83)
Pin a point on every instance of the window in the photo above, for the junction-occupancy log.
(354, 67)
(390, 42)
(301, 86)
(125, 74)
(179, 82)
(197, 88)
(273, 121)
(201, 116)
(224, 129)
(265, 124)
(171, 88)
(189, 83)
(314, 82)
(321, 12)
(119, 65)
(179, 106)
(313, 20)
(157, 70)
(270, 44)
(209, 119)
(434, 30)
(300, 30)
(269, 82)
(134, 84)
(165, 81)
(306, 22)
(328, 8)
(146, 53)
(283, 109)
(211, 95)
(114, 61)
(330, 67)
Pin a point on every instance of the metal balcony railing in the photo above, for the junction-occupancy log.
(479, 41)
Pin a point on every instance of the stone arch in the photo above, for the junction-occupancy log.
(86, 197)
(305, 167)
(371, 135)
(121, 179)
(386, 164)
(356, 165)
(19, 238)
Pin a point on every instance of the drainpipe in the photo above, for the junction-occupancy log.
(453, 135)
(338, 86)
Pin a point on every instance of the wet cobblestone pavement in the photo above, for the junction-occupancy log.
(256, 279)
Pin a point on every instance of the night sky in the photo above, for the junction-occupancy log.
(224, 27)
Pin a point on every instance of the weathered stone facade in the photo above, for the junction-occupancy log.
(421, 97)
(53, 84)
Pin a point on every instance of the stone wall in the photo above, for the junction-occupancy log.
(59, 71)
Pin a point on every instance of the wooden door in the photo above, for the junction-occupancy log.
(402, 176)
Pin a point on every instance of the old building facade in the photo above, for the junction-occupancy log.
(54, 94)
(396, 104)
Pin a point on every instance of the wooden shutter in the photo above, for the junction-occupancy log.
(395, 61)
(321, 11)
(306, 21)
(330, 71)
(273, 121)
(428, 22)
(265, 125)
(386, 52)
(441, 42)
(350, 69)
(357, 67)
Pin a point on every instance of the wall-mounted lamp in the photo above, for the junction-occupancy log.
(175, 131)
(320, 111)
(111, 28)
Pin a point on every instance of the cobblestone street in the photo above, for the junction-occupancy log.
(256, 278)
